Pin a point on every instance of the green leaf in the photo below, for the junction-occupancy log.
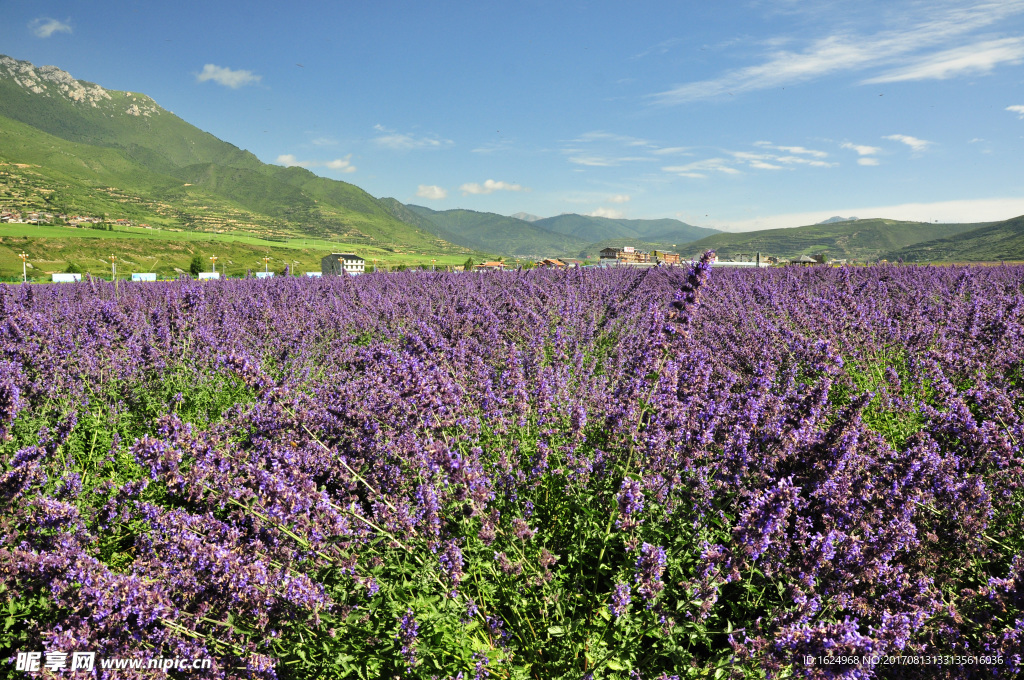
(556, 631)
(616, 666)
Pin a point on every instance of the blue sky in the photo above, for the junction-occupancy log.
(734, 115)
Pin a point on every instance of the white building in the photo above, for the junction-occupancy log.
(336, 263)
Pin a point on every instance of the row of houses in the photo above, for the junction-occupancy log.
(16, 217)
(628, 255)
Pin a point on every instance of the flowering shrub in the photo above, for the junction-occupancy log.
(579, 474)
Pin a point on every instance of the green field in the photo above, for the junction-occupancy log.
(52, 249)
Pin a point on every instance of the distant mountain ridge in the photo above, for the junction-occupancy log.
(862, 240)
(565, 235)
(993, 241)
(526, 217)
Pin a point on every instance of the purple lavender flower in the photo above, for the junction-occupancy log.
(408, 631)
(631, 502)
(650, 566)
(620, 600)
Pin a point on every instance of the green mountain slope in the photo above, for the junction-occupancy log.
(990, 242)
(593, 229)
(860, 240)
(91, 141)
(507, 236)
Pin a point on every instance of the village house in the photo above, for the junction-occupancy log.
(665, 257)
(489, 266)
(627, 255)
(336, 263)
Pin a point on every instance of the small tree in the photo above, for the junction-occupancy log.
(468, 264)
(196, 265)
(74, 269)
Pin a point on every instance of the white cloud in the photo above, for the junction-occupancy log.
(619, 198)
(594, 161)
(44, 27)
(672, 150)
(431, 191)
(698, 168)
(227, 77)
(625, 140)
(770, 161)
(867, 160)
(324, 141)
(797, 160)
(914, 143)
(862, 150)
(610, 213)
(934, 27)
(488, 187)
(289, 160)
(1018, 109)
(979, 58)
(342, 164)
(793, 149)
(398, 141)
(971, 210)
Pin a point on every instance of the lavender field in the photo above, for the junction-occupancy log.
(578, 474)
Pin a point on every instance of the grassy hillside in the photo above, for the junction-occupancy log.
(997, 241)
(507, 236)
(860, 240)
(78, 141)
(593, 229)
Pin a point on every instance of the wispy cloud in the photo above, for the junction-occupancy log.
(619, 198)
(340, 164)
(399, 141)
(979, 58)
(699, 169)
(600, 149)
(324, 141)
(915, 144)
(44, 27)
(848, 51)
(793, 149)
(431, 191)
(596, 161)
(672, 151)
(660, 48)
(762, 165)
(1018, 109)
(227, 77)
(861, 149)
(867, 160)
(624, 140)
(767, 160)
(488, 187)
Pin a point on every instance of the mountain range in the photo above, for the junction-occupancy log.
(120, 154)
(73, 147)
